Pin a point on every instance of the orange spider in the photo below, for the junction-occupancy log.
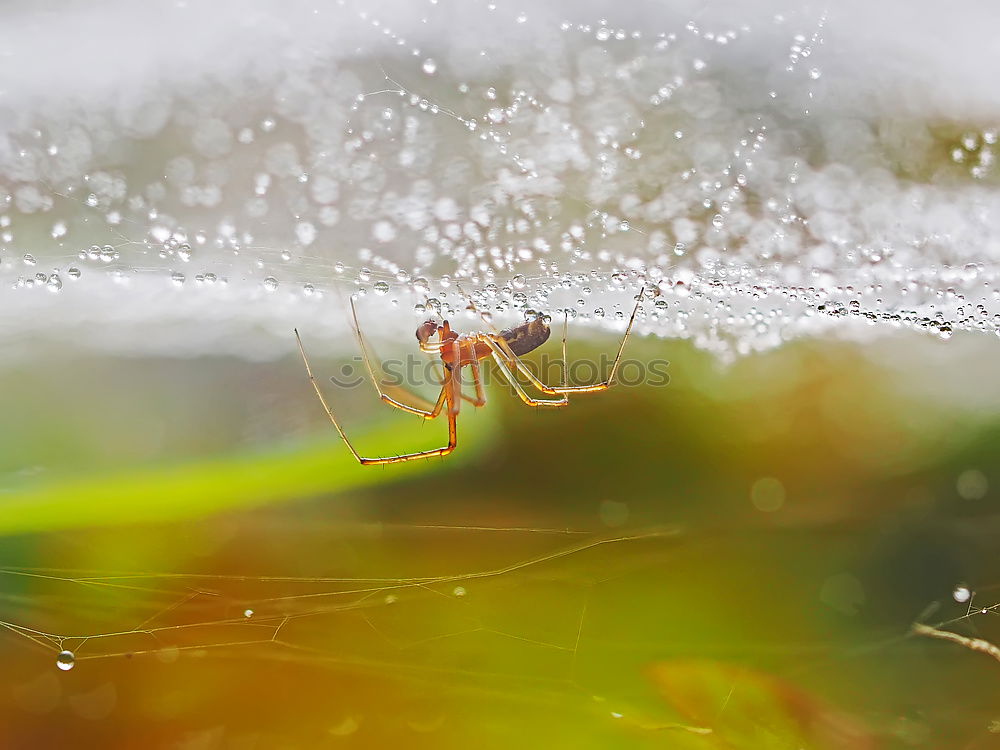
(466, 350)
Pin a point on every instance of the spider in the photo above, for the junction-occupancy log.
(466, 350)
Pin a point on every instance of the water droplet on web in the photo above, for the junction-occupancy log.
(270, 283)
(29, 259)
(248, 613)
(381, 288)
(184, 252)
(73, 272)
(65, 660)
(459, 591)
(429, 66)
(305, 232)
(961, 594)
(364, 274)
(54, 283)
(815, 73)
(177, 278)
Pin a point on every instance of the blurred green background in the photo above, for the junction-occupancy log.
(733, 560)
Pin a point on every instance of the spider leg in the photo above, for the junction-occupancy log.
(454, 379)
(446, 396)
(563, 389)
(424, 408)
(499, 356)
(477, 379)
(469, 399)
(565, 358)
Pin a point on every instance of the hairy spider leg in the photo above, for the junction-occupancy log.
(424, 408)
(565, 358)
(454, 378)
(477, 380)
(463, 396)
(449, 390)
(499, 356)
(564, 389)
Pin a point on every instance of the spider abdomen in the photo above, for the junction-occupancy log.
(526, 337)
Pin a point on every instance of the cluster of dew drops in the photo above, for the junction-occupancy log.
(529, 275)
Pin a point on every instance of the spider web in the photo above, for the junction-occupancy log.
(549, 626)
(744, 169)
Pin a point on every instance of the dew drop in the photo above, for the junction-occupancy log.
(814, 73)
(961, 594)
(66, 660)
(429, 66)
(459, 591)
(177, 278)
(29, 259)
(270, 283)
(381, 288)
(248, 613)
